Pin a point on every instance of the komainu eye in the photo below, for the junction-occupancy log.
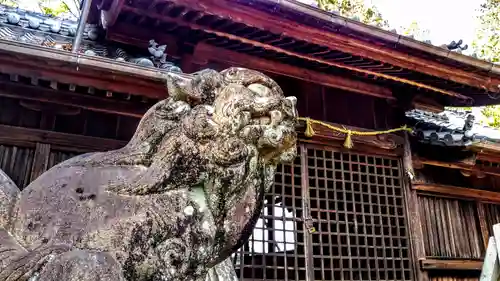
(260, 89)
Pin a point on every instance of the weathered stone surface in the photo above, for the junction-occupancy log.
(173, 204)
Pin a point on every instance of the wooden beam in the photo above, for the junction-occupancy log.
(254, 43)
(82, 70)
(460, 166)
(436, 264)
(25, 137)
(74, 75)
(385, 142)
(27, 92)
(207, 52)
(487, 147)
(459, 192)
(288, 27)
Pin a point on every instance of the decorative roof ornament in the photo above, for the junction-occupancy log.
(469, 122)
(457, 46)
(57, 33)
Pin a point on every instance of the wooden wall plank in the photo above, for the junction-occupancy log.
(483, 223)
(40, 161)
(445, 236)
(29, 137)
(27, 92)
(16, 162)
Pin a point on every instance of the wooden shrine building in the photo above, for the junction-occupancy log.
(392, 207)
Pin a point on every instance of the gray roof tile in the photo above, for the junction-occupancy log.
(450, 128)
(44, 30)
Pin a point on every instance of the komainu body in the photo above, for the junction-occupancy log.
(173, 204)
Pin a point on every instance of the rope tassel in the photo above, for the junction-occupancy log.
(348, 143)
(309, 129)
(348, 140)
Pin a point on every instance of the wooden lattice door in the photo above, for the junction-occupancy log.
(356, 204)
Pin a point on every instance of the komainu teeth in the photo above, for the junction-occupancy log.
(246, 117)
(265, 120)
(276, 117)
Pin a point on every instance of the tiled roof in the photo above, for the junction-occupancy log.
(43, 30)
(450, 128)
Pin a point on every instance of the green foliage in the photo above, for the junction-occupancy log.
(54, 8)
(416, 31)
(355, 9)
(11, 3)
(487, 42)
(492, 114)
(487, 46)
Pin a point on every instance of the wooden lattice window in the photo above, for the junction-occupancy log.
(276, 250)
(356, 203)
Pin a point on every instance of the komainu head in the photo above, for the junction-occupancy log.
(242, 111)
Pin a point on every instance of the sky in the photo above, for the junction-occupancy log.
(446, 20)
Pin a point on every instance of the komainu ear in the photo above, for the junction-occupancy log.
(200, 88)
(178, 86)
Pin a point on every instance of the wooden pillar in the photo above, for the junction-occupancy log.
(40, 160)
(306, 214)
(414, 222)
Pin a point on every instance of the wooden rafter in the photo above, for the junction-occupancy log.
(293, 54)
(207, 52)
(33, 93)
(288, 27)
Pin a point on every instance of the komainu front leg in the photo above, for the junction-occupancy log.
(223, 271)
(80, 265)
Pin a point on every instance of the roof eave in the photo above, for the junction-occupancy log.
(398, 40)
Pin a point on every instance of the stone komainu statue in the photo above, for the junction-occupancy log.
(173, 204)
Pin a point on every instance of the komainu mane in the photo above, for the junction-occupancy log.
(173, 204)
